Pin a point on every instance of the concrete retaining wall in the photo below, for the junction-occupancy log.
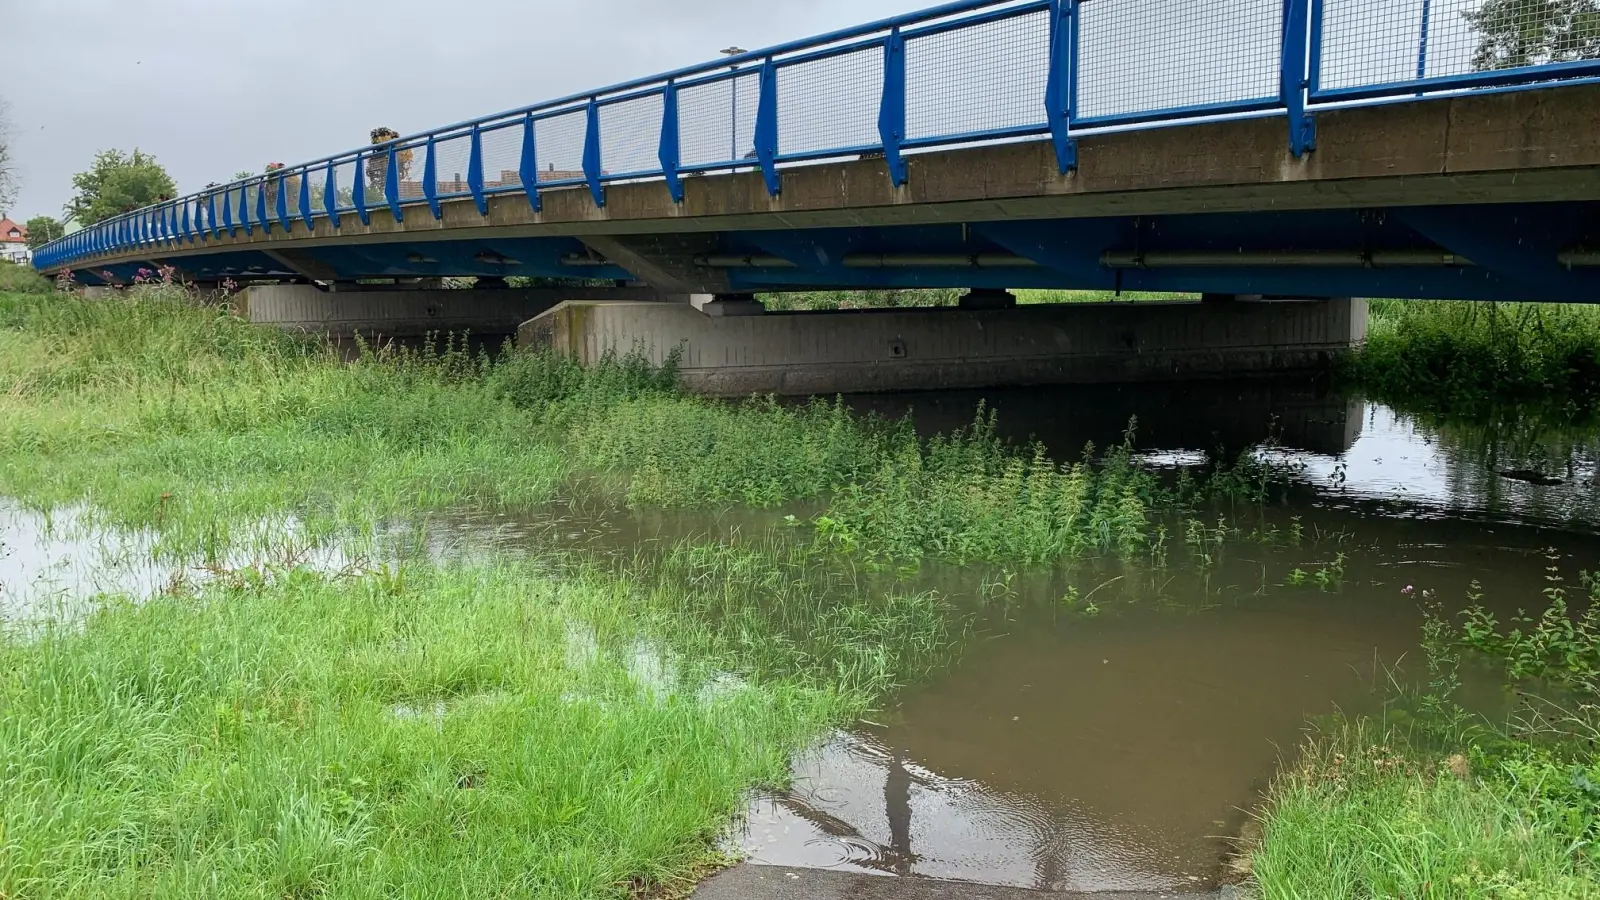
(939, 349)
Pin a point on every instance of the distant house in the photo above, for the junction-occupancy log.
(14, 243)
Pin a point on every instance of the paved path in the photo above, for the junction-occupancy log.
(752, 882)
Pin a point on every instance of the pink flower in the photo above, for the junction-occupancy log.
(1407, 590)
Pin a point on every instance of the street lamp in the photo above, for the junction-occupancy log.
(733, 112)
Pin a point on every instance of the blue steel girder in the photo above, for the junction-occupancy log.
(1520, 242)
(524, 257)
(1068, 254)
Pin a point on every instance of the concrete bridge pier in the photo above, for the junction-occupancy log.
(730, 346)
(408, 311)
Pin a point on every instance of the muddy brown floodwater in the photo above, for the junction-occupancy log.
(1125, 749)
(1109, 725)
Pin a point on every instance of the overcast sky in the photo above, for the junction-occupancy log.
(215, 86)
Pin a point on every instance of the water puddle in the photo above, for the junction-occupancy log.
(55, 565)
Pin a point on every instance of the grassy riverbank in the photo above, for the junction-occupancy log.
(1474, 358)
(165, 414)
(1440, 803)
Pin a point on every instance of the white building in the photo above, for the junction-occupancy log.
(14, 243)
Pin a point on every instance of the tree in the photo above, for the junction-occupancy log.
(8, 171)
(42, 230)
(118, 183)
(1514, 33)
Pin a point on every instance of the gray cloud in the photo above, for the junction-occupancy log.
(214, 86)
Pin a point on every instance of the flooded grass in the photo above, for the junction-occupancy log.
(1366, 814)
(243, 740)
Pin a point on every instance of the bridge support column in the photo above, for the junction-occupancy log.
(987, 298)
(727, 304)
(413, 312)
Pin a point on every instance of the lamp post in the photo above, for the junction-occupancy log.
(733, 113)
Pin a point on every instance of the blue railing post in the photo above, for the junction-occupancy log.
(767, 126)
(227, 212)
(476, 182)
(211, 214)
(529, 170)
(1061, 90)
(391, 183)
(592, 170)
(244, 209)
(1422, 43)
(475, 172)
(358, 191)
(261, 207)
(430, 179)
(330, 194)
(185, 233)
(670, 152)
(892, 107)
(1295, 76)
(305, 199)
(284, 217)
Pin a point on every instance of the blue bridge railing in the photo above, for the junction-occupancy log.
(961, 73)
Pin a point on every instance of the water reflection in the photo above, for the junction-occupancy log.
(1438, 468)
(54, 565)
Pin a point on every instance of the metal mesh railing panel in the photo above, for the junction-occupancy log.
(1376, 42)
(630, 135)
(450, 159)
(1145, 56)
(344, 179)
(559, 141)
(983, 78)
(502, 156)
(235, 197)
(830, 103)
(717, 121)
(291, 185)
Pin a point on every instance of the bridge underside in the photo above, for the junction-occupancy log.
(1482, 197)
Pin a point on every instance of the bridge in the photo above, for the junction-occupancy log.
(1326, 148)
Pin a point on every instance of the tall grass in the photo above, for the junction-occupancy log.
(1363, 815)
(1434, 802)
(160, 411)
(22, 279)
(1470, 357)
